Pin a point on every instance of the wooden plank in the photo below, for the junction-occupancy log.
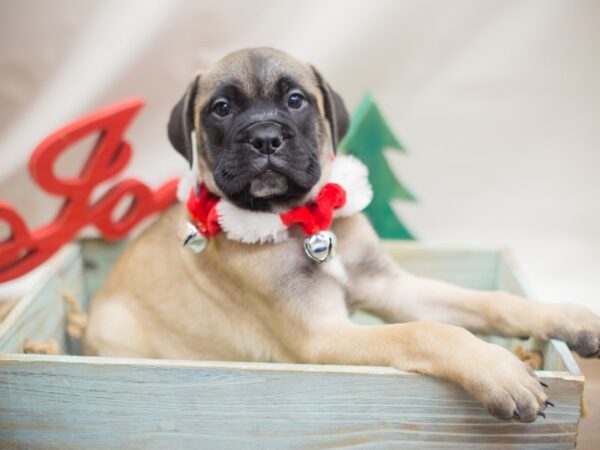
(510, 277)
(98, 257)
(104, 403)
(476, 269)
(41, 320)
(558, 357)
(40, 315)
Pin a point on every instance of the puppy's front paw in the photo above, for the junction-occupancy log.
(506, 386)
(578, 327)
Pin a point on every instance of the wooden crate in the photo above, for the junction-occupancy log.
(75, 402)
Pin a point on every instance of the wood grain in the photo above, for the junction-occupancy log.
(102, 403)
(41, 314)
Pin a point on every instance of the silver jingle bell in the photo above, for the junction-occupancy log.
(192, 238)
(320, 246)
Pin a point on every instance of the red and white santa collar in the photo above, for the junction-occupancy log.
(347, 192)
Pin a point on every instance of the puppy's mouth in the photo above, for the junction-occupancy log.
(269, 184)
(268, 189)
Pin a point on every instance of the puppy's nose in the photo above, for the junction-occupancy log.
(266, 137)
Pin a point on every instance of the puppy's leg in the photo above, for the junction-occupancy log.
(488, 372)
(378, 285)
(312, 326)
(114, 330)
(398, 296)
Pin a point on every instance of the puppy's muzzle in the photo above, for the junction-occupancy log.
(266, 138)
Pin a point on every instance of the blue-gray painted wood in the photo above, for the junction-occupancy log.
(98, 257)
(41, 314)
(100, 403)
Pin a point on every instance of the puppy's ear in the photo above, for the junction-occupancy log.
(181, 122)
(335, 110)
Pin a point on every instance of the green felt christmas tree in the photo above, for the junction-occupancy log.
(367, 139)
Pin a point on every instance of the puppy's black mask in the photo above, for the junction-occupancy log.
(261, 131)
(265, 149)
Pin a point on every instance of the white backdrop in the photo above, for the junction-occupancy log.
(498, 103)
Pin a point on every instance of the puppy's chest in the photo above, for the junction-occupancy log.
(336, 270)
(282, 267)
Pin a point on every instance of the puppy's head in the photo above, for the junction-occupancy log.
(265, 126)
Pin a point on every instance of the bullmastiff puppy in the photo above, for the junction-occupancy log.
(260, 129)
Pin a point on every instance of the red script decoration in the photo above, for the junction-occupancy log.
(25, 249)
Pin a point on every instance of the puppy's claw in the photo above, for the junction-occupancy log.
(543, 414)
(543, 384)
(549, 403)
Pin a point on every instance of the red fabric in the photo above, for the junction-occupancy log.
(203, 210)
(318, 215)
(312, 218)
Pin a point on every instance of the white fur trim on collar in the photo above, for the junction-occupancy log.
(250, 226)
(353, 176)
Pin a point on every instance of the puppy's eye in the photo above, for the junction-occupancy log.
(295, 101)
(221, 108)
